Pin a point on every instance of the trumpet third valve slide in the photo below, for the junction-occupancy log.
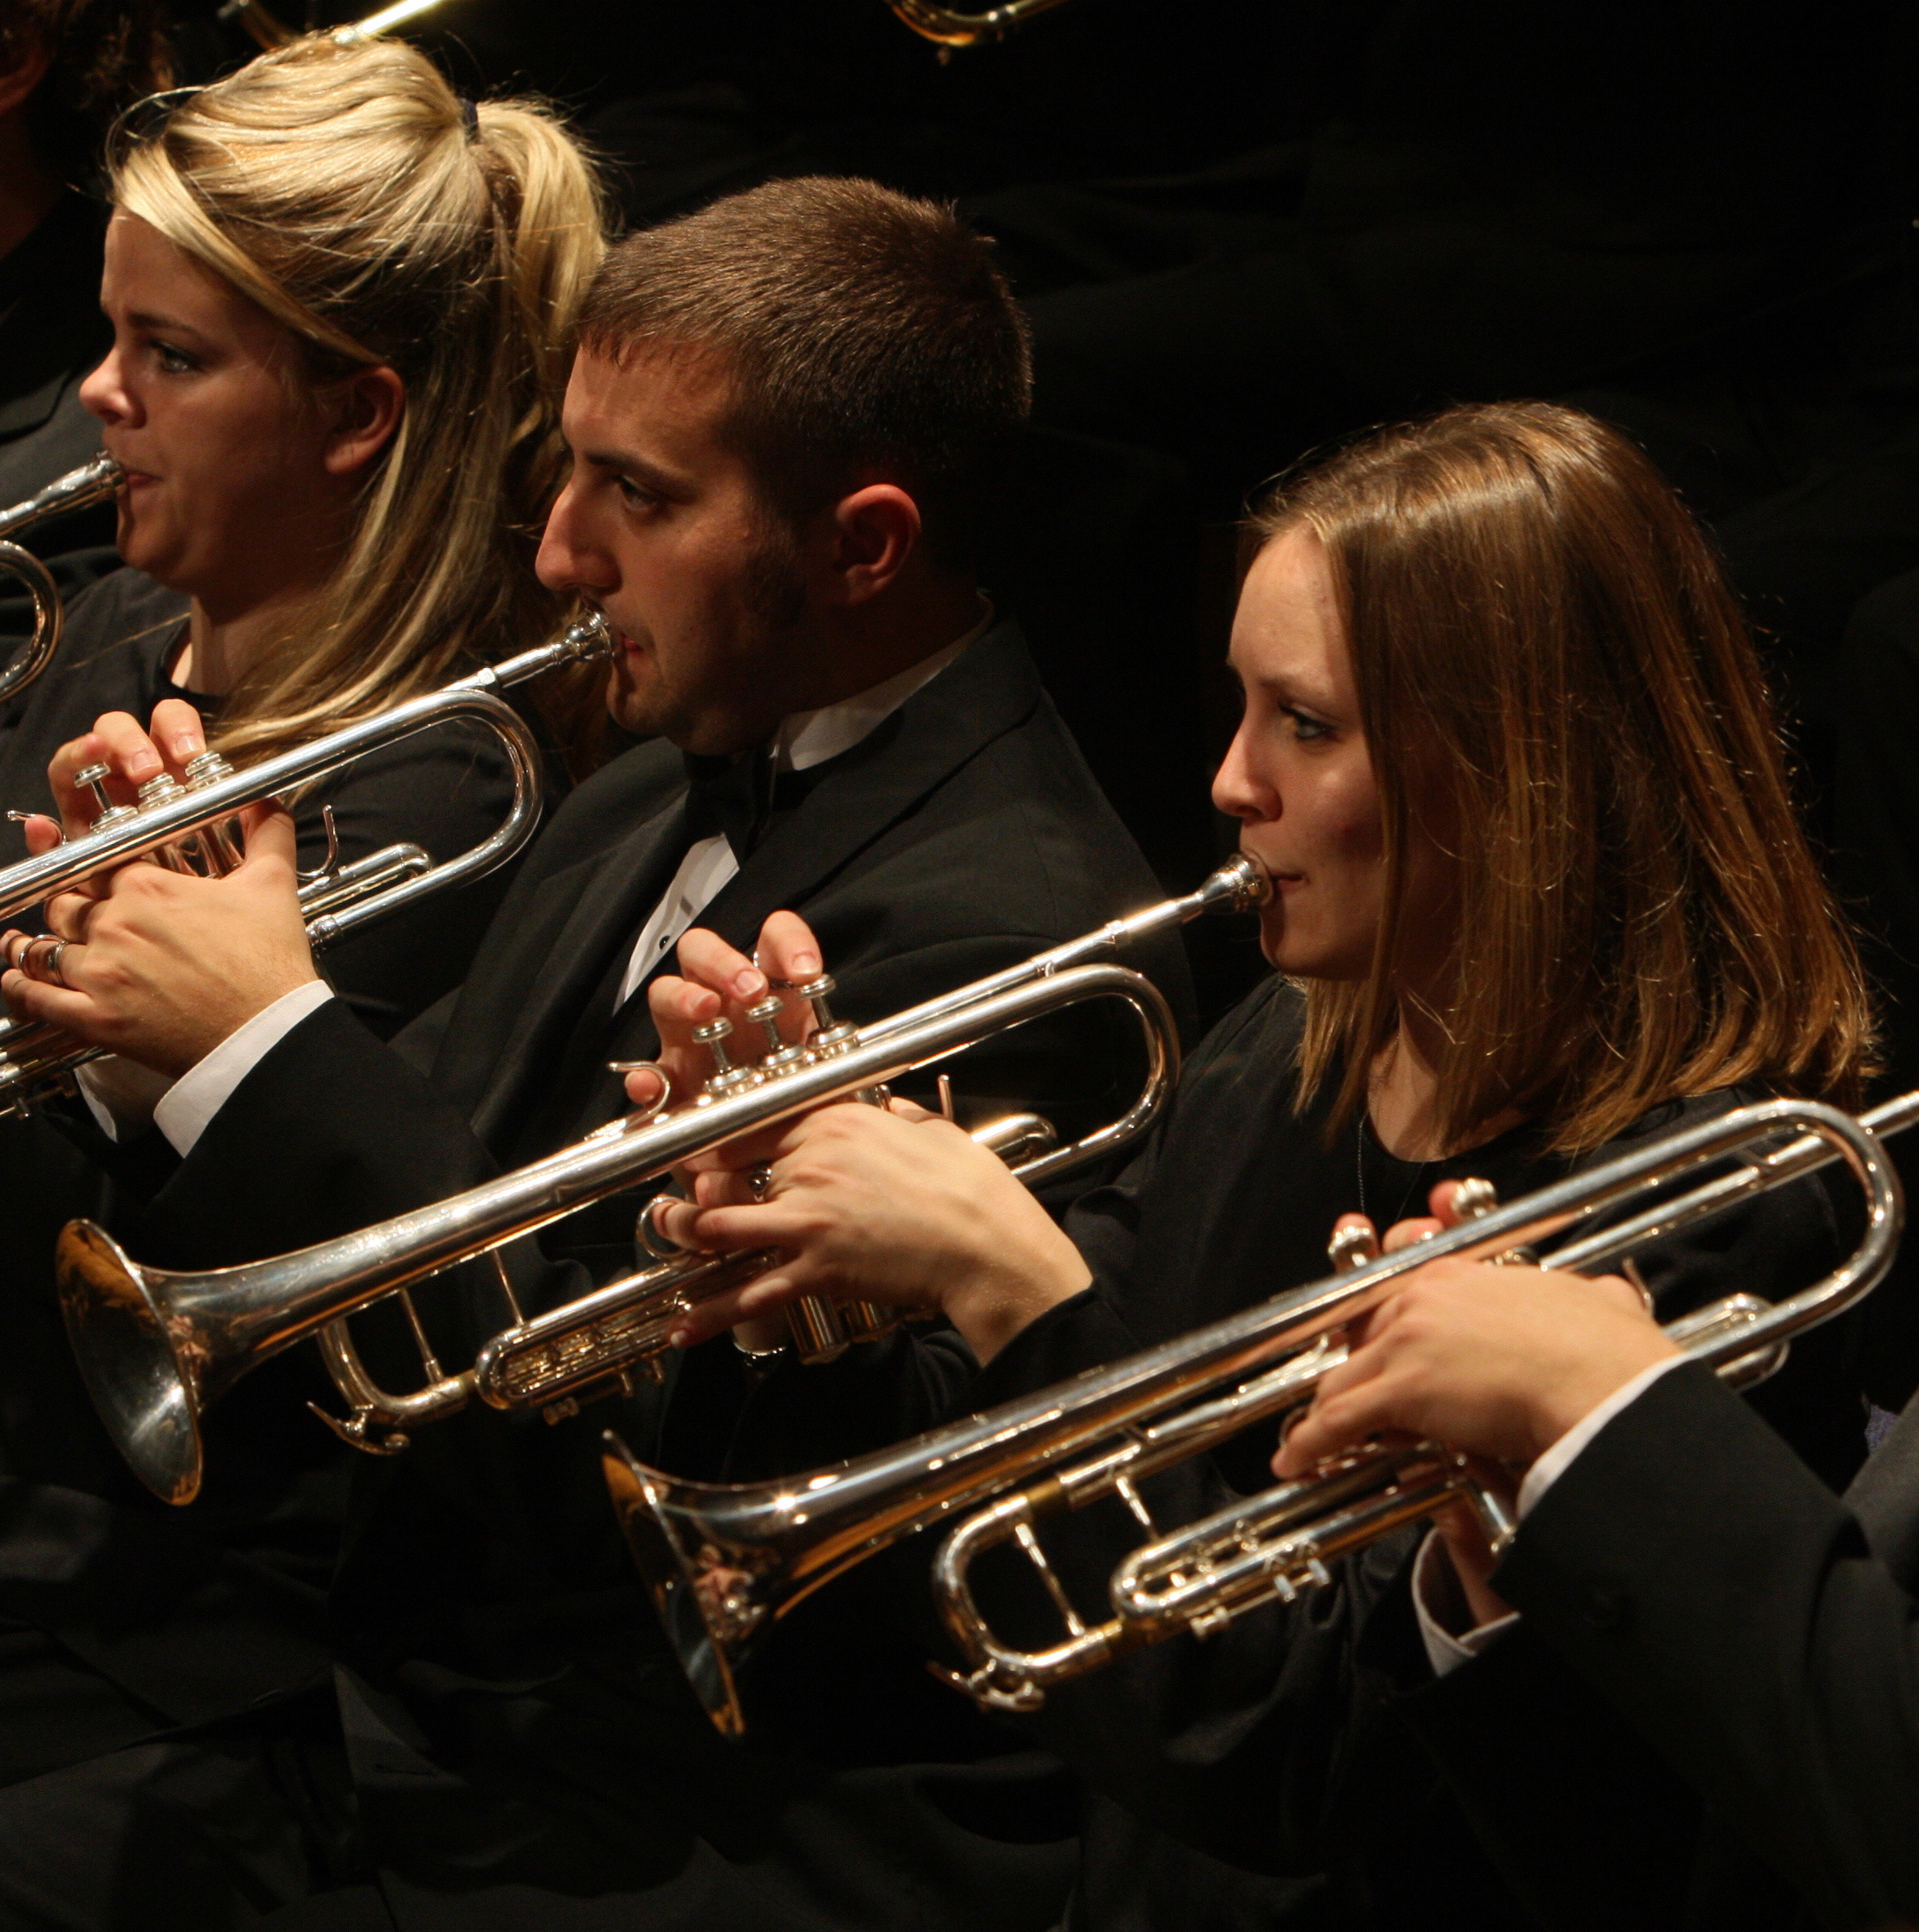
(157, 1347)
(724, 1561)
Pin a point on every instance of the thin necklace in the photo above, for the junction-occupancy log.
(1419, 1168)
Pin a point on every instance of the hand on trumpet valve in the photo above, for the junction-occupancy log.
(892, 1205)
(724, 1016)
(161, 966)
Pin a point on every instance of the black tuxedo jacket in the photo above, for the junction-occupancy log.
(517, 1729)
(1739, 1638)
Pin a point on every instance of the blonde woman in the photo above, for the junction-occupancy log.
(341, 300)
(1539, 890)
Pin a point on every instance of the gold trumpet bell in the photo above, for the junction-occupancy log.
(151, 1370)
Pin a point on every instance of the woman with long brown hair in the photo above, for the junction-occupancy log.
(1539, 890)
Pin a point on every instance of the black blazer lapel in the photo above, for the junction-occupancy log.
(610, 894)
(991, 690)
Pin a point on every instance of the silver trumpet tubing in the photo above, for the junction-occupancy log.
(156, 1348)
(184, 826)
(725, 1561)
(93, 482)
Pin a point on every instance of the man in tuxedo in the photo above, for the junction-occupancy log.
(1680, 1581)
(786, 414)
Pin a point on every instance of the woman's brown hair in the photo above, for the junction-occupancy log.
(1536, 621)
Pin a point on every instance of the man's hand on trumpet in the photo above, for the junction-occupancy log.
(892, 1205)
(157, 965)
(1496, 1362)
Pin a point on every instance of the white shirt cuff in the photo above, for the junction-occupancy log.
(1445, 1651)
(1558, 1458)
(121, 1094)
(202, 1090)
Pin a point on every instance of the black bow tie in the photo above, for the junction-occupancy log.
(743, 796)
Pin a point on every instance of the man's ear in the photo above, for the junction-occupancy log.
(367, 407)
(22, 66)
(876, 530)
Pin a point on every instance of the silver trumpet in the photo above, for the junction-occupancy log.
(93, 482)
(184, 826)
(157, 1347)
(725, 1561)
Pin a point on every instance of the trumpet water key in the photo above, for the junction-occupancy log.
(724, 1561)
(92, 483)
(185, 825)
(157, 1347)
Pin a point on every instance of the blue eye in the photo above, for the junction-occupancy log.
(172, 362)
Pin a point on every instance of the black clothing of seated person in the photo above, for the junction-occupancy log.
(1716, 1603)
(520, 1745)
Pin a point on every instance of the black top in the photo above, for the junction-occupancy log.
(81, 1540)
(1277, 1745)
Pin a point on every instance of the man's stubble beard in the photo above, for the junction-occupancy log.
(773, 592)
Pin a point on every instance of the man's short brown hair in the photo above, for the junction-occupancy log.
(104, 54)
(863, 331)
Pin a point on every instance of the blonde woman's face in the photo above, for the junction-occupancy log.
(206, 403)
(1298, 776)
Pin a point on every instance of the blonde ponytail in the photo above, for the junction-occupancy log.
(380, 219)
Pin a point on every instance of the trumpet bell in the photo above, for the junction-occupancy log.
(710, 1608)
(145, 1366)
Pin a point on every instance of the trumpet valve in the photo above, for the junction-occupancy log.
(726, 1077)
(1474, 1198)
(94, 777)
(779, 1057)
(1352, 1248)
(829, 1036)
(162, 790)
(208, 769)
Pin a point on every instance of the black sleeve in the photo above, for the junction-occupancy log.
(1718, 1596)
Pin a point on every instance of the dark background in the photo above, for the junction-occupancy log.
(1244, 228)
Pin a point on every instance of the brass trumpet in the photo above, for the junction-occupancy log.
(183, 825)
(93, 482)
(725, 1561)
(157, 1347)
(949, 27)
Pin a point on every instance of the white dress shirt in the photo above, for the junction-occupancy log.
(1447, 1651)
(125, 1106)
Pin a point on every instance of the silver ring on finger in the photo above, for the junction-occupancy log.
(759, 1181)
(45, 967)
